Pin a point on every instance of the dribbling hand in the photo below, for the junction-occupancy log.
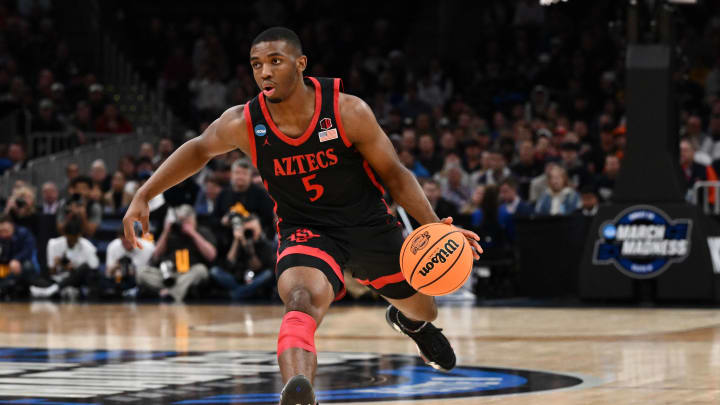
(471, 236)
(137, 211)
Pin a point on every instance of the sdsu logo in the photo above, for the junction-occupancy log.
(83, 377)
(642, 242)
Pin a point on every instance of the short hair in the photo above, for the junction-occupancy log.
(279, 34)
(184, 212)
(244, 163)
(510, 182)
(81, 179)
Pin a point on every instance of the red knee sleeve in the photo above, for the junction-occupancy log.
(297, 330)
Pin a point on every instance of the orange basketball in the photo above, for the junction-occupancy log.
(436, 259)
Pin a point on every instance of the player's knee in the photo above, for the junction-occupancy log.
(299, 299)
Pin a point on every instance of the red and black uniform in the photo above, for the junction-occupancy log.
(327, 198)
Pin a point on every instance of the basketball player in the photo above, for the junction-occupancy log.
(318, 151)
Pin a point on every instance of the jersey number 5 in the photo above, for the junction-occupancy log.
(313, 188)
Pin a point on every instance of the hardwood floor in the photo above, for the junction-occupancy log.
(197, 354)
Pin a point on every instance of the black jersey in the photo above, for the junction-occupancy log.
(318, 179)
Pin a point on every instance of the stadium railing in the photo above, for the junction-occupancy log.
(707, 194)
(52, 167)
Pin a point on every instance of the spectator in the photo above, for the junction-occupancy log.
(694, 171)
(127, 166)
(123, 261)
(497, 169)
(116, 200)
(589, 202)
(442, 207)
(525, 167)
(147, 150)
(244, 197)
(72, 264)
(559, 198)
(97, 101)
(21, 207)
(17, 156)
(409, 140)
(511, 201)
(81, 121)
(17, 258)
(165, 148)
(184, 251)
(100, 180)
(473, 155)
(578, 174)
(210, 93)
(72, 170)
(491, 224)
(606, 181)
(454, 182)
(539, 184)
(112, 122)
(250, 260)
(81, 207)
(207, 198)
(408, 160)
(475, 200)
(50, 198)
(47, 120)
(428, 156)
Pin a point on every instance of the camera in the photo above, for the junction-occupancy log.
(127, 269)
(249, 233)
(176, 227)
(64, 261)
(76, 198)
(167, 271)
(20, 202)
(236, 220)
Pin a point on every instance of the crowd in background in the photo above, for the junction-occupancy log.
(528, 122)
(43, 86)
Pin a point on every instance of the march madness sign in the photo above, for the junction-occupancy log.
(642, 241)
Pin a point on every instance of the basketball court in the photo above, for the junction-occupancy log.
(218, 354)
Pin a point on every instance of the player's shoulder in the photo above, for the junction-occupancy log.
(233, 117)
(353, 109)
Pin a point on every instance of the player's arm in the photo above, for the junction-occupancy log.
(375, 146)
(225, 134)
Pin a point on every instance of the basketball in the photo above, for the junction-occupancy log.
(436, 259)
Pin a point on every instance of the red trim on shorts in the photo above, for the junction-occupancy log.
(320, 254)
(381, 282)
(311, 127)
(337, 86)
(251, 133)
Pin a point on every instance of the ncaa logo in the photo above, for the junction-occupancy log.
(260, 130)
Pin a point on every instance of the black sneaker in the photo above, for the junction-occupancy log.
(298, 391)
(432, 345)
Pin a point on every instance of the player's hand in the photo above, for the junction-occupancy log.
(137, 211)
(471, 236)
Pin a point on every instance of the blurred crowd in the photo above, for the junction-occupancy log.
(529, 121)
(43, 86)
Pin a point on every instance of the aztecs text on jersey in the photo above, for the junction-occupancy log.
(318, 179)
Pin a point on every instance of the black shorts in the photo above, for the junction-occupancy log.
(370, 254)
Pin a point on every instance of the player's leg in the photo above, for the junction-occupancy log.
(307, 295)
(374, 262)
(309, 279)
(417, 308)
